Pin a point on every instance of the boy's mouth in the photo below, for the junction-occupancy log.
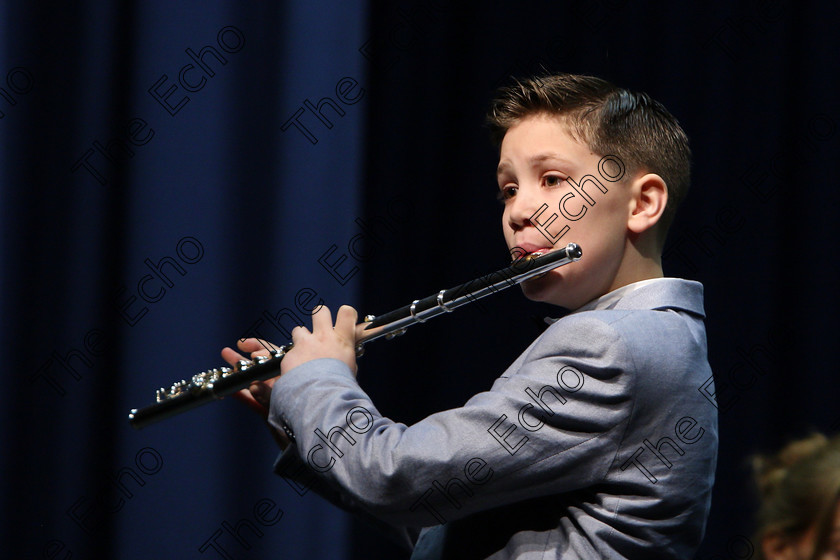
(536, 254)
(529, 251)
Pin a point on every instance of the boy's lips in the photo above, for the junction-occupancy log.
(530, 249)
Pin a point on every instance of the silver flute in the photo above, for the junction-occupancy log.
(217, 383)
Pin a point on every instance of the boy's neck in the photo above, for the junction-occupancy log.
(626, 278)
(637, 266)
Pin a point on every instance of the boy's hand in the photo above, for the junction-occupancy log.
(325, 341)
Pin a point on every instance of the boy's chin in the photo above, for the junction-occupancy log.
(543, 290)
(556, 290)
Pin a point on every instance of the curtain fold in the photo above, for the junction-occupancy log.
(154, 211)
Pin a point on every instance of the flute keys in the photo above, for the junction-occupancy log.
(281, 351)
(200, 380)
(242, 365)
(176, 389)
(389, 336)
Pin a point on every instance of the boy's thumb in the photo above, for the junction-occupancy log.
(261, 393)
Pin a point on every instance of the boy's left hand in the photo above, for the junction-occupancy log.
(325, 341)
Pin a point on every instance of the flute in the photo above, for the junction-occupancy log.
(217, 383)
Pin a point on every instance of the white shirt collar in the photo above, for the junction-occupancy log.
(608, 300)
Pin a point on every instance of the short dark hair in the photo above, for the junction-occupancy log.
(610, 121)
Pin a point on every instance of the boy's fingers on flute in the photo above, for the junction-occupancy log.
(345, 322)
(252, 345)
(321, 319)
(231, 356)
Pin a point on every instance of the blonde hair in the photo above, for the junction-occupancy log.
(799, 488)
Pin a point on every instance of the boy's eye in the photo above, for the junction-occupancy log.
(506, 193)
(553, 180)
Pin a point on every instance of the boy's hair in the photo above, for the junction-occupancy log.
(610, 121)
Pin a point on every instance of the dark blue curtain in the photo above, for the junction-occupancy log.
(178, 175)
(160, 201)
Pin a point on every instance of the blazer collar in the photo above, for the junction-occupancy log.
(656, 293)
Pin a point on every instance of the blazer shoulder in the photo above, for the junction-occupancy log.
(634, 338)
(584, 330)
(586, 341)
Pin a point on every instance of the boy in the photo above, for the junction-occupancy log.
(595, 443)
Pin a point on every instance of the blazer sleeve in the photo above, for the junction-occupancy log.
(552, 423)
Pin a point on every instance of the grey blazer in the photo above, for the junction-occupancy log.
(599, 441)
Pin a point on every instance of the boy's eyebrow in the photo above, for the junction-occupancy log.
(503, 166)
(536, 160)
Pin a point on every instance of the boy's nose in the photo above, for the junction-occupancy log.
(523, 207)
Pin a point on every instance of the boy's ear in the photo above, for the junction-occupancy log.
(649, 195)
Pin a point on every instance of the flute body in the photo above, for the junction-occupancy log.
(217, 383)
